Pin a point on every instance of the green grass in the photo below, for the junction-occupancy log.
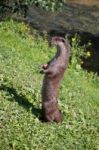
(20, 102)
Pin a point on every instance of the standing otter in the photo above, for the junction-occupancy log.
(54, 71)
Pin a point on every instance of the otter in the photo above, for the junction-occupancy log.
(54, 71)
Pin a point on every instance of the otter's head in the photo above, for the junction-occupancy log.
(58, 41)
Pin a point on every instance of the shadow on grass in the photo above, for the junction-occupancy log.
(21, 100)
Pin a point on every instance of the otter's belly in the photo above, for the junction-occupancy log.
(50, 88)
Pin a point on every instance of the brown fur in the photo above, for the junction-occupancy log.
(54, 71)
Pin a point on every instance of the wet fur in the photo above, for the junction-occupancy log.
(54, 71)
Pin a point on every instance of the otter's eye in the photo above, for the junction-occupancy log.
(63, 40)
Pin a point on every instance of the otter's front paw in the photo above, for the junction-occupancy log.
(44, 66)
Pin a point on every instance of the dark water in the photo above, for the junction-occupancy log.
(76, 17)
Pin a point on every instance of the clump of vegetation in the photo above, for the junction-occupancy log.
(50, 5)
(20, 83)
(78, 52)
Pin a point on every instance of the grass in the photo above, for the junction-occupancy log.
(20, 103)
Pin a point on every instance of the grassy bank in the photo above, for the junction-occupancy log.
(20, 108)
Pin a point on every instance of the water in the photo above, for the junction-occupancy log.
(74, 17)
